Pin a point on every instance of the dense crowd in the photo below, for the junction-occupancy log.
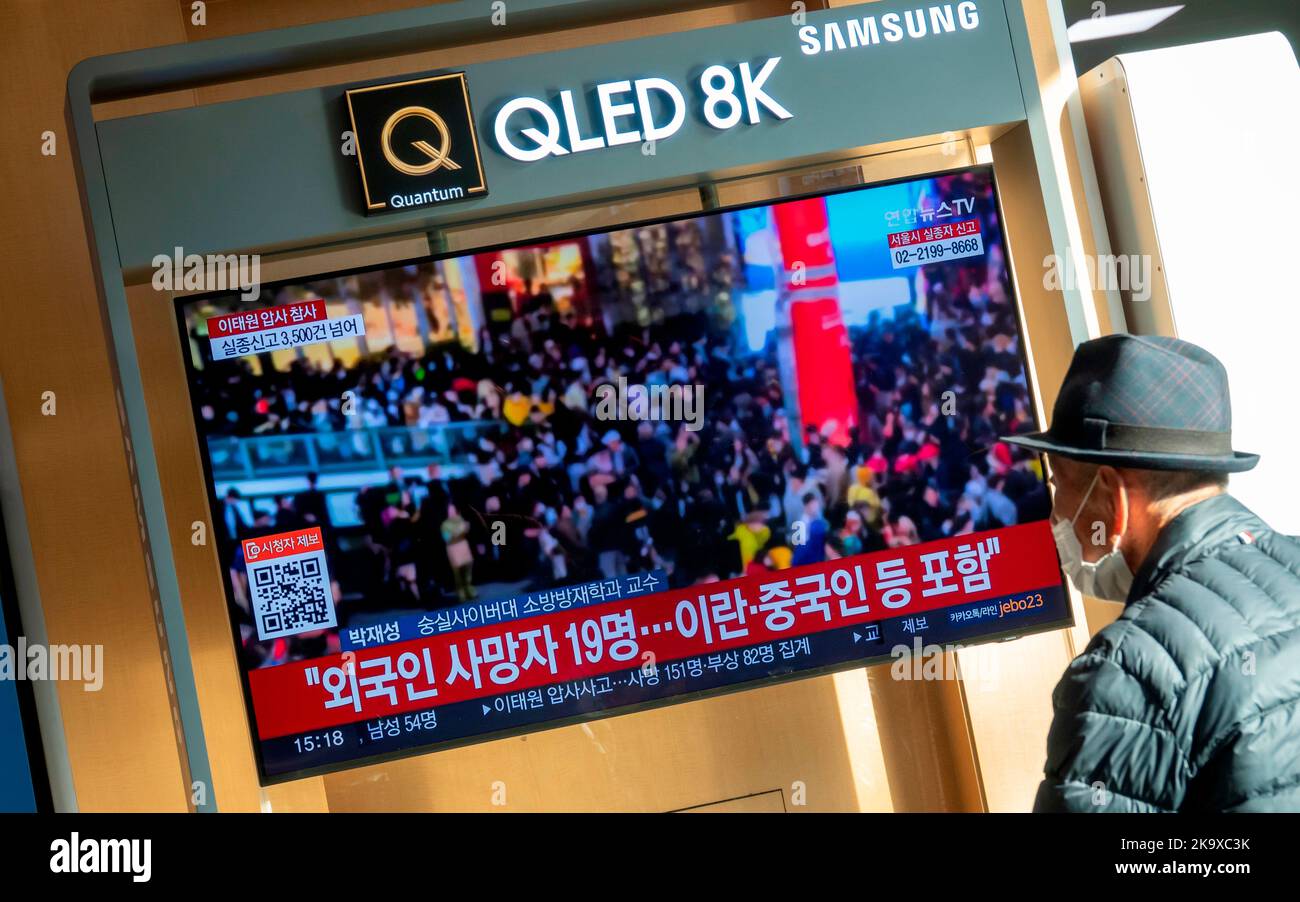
(559, 496)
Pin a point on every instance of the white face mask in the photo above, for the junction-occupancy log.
(1109, 578)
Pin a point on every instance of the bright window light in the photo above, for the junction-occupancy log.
(1119, 24)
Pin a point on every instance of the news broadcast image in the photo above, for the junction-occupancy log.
(805, 470)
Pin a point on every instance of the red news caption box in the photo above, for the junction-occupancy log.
(282, 544)
(229, 324)
(941, 232)
(674, 625)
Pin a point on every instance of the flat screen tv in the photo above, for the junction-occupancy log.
(465, 497)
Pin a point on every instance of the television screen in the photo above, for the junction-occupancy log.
(464, 497)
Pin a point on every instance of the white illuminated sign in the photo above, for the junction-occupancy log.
(890, 28)
(626, 112)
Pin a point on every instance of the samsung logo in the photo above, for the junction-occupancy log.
(891, 28)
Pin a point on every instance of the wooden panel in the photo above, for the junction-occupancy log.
(1008, 696)
(1099, 613)
(231, 17)
(86, 539)
(861, 732)
(663, 760)
(298, 797)
(926, 740)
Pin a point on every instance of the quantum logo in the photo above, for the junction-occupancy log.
(415, 142)
(436, 156)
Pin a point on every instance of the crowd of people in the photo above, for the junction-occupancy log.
(558, 496)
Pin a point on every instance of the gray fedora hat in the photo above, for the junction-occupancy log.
(1146, 402)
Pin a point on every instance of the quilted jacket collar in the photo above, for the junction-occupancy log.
(1210, 522)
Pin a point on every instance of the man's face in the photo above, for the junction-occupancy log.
(1070, 480)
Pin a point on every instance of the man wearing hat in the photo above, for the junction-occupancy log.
(1190, 701)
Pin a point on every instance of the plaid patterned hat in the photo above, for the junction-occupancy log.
(1143, 401)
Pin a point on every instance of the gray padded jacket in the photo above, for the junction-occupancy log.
(1190, 701)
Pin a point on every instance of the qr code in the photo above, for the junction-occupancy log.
(291, 595)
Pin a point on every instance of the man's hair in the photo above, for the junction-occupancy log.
(1162, 484)
(1161, 487)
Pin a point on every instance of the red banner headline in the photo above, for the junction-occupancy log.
(668, 626)
(270, 318)
(943, 232)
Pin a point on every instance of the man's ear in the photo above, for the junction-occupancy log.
(1115, 491)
